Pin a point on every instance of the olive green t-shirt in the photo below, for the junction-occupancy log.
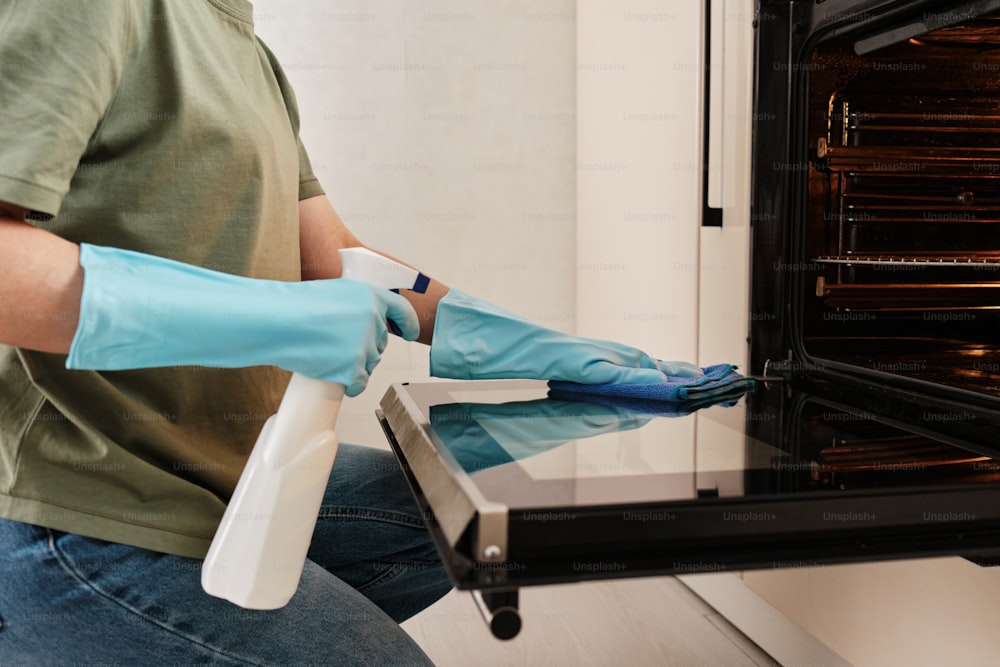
(164, 127)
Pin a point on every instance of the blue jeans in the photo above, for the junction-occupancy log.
(67, 599)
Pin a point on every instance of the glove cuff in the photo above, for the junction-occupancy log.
(452, 353)
(477, 340)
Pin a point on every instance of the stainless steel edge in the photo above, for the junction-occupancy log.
(453, 497)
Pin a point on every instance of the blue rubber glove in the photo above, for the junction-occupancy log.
(141, 311)
(476, 340)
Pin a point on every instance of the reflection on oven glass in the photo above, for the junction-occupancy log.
(527, 450)
(554, 439)
(551, 450)
(852, 450)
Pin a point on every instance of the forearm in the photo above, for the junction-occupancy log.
(478, 340)
(322, 233)
(425, 304)
(41, 283)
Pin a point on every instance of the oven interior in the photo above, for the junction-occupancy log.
(833, 446)
(901, 261)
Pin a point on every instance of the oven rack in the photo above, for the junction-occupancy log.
(903, 209)
(910, 296)
(910, 133)
(929, 260)
(983, 162)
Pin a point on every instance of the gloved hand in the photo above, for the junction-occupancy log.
(141, 311)
(476, 340)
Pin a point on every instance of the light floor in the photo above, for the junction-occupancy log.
(655, 622)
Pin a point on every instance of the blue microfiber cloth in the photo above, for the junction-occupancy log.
(718, 381)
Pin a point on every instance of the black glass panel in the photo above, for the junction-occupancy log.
(526, 450)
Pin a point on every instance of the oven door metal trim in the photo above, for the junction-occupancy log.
(444, 483)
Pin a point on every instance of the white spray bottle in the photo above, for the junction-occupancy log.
(259, 549)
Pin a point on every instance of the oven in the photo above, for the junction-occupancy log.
(866, 209)
(872, 232)
(874, 209)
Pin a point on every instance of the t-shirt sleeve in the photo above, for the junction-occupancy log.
(60, 64)
(309, 185)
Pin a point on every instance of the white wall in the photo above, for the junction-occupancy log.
(639, 92)
(639, 155)
(444, 132)
(543, 155)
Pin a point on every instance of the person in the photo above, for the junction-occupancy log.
(167, 257)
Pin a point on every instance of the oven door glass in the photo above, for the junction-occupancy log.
(591, 490)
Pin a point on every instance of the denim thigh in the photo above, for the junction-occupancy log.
(370, 534)
(67, 599)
